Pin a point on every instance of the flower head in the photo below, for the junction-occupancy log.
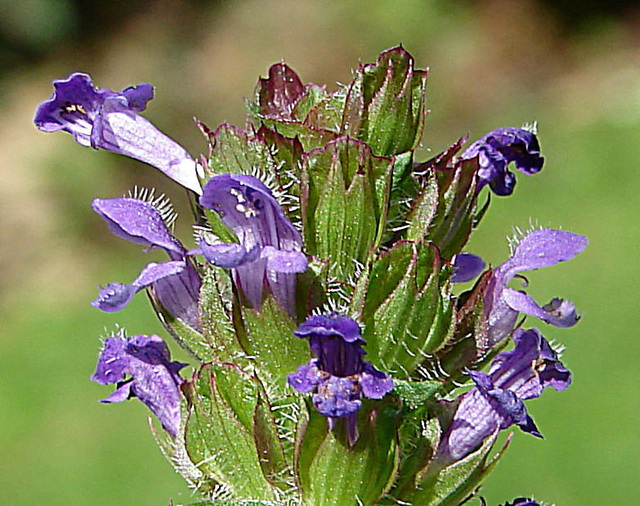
(175, 283)
(269, 249)
(153, 378)
(106, 119)
(338, 376)
(499, 148)
(496, 401)
(539, 248)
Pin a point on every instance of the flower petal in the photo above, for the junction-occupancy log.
(227, 256)
(138, 221)
(286, 262)
(120, 130)
(544, 248)
(559, 312)
(466, 267)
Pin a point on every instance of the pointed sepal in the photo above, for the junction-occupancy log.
(332, 471)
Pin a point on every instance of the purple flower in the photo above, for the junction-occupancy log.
(153, 377)
(521, 501)
(269, 248)
(539, 248)
(466, 267)
(175, 284)
(496, 402)
(338, 377)
(499, 148)
(105, 119)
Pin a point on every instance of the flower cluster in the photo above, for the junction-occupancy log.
(319, 239)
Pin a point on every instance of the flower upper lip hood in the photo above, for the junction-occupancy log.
(105, 119)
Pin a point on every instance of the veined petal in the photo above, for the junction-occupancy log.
(120, 130)
(337, 397)
(338, 376)
(496, 402)
(539, 248)
(307, 378)
(543, 248)
(105, 119)
(496, 150)
(72, 107)
(247, 207)
(287, 262)
(137, 221)
(114, 297)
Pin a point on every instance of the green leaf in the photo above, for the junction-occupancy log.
(217, 325)
(233, 152)
(333, 473)
(407, 312)
(451, 226)
(419, 436)
(453, 484)
(219, 431)
(345, 198)
(386, 103)
(267, 336)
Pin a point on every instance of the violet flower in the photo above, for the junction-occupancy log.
(521, 501)
(539, 248)
(175, 284)
(496, 402)
(153, 377)
(105, 119)
(338, 377)
(466, 267)
(269, 249)
(499, 148)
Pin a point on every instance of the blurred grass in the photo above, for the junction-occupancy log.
(493, 63)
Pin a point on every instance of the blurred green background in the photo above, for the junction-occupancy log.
(572, 66)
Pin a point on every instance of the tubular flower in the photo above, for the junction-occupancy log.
(496, 401)
(338, 377)
(105, 119)
(499, 148)
(539, 248)
(175, 284)
(153, 377)
(269, 248)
